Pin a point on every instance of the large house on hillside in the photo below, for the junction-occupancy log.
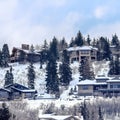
(16, 92)
(101, 86)
(78, 53)
(26, 54)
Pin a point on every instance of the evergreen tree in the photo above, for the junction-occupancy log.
(44, 54)
(54, 48)
(103, 48)
(79, 41)
(72, 42)
(1, 64)
(31, 54)
(65, 70)
(31, 76)
(114, 66)
(115, 41)
(52, 83)
(85, 70)
(5, 55)
(62, 45)
(85, 111)
(88, 40)
(8, 78)
(100, 116)
(4, 112)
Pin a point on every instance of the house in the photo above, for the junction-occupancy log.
(78, 53)
(102, 86)
(113, 88)
(4, 94)
(23, 54)
(58, 117)
(16, 91)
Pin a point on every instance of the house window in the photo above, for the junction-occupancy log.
(85, 87)
(84, 52)
(115, 86)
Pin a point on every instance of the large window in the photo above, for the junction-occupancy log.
(85, 87)
(85, 52)
(115, 86)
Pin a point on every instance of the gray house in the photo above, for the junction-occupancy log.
(16, 91)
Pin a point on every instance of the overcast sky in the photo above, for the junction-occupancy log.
(33, 21)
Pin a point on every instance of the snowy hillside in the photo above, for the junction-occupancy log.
(20, 75)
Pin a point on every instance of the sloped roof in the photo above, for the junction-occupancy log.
(57, 117)
(5, 90)
(81, 48)
(91, 82)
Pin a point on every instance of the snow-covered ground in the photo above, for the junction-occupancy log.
(20, 76)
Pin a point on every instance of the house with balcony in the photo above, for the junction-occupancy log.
(78, 53)
(101, 86)
(24, 54)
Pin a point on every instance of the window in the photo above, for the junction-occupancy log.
(115, 86)
(85, 87)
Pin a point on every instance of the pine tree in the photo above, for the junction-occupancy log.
(44, 54)
(52, 83)
(103, 48)
(4, 112)
(79, 41)
(115, 41)
(31, 54)
(1, 64)
(114, 66)
(85, 111)
(5, 55)
(65, 70)
(88, 40)
(8, 78)
(31, 76)
(54, 48)
(85, 70)
(100, 116)
(72, 42)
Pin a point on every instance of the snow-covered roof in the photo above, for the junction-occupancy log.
(57, 117)
(5, 89)
(112, 81)
(24, 91)
(87, 82)
(91, 82)
(81, 48)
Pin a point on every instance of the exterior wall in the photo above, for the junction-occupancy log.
(115, 85)
(85, 90)
(16, 95)
(78, 55)
(4, 95)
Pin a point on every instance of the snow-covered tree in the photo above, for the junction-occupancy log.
(5, 55)
(4, 112)
(65, 70)
(52, 82)
(31, 76)
(85, 70)
(8, 78)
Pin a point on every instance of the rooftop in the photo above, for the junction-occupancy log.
(81, 48)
